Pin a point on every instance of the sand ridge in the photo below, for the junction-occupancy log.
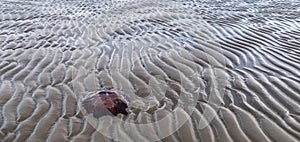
(191, 70)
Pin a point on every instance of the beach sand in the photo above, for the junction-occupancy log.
(211, 71)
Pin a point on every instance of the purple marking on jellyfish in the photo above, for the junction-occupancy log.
(105, 103)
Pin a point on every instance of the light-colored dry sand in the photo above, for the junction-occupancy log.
(192, 71)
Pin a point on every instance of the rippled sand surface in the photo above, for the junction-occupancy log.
(191, 70)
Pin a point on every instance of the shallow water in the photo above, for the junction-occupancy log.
(191, 70)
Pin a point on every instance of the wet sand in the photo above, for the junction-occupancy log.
(191, 71)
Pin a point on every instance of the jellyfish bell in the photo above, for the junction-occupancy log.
(105, 102)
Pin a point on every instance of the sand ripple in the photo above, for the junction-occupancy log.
(192, 71)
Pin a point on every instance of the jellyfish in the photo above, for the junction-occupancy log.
(105, 103)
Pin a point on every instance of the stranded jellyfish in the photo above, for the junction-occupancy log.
(105, 103)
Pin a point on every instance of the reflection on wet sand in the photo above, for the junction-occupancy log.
(190, 70)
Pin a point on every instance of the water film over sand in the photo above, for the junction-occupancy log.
(149, 70)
